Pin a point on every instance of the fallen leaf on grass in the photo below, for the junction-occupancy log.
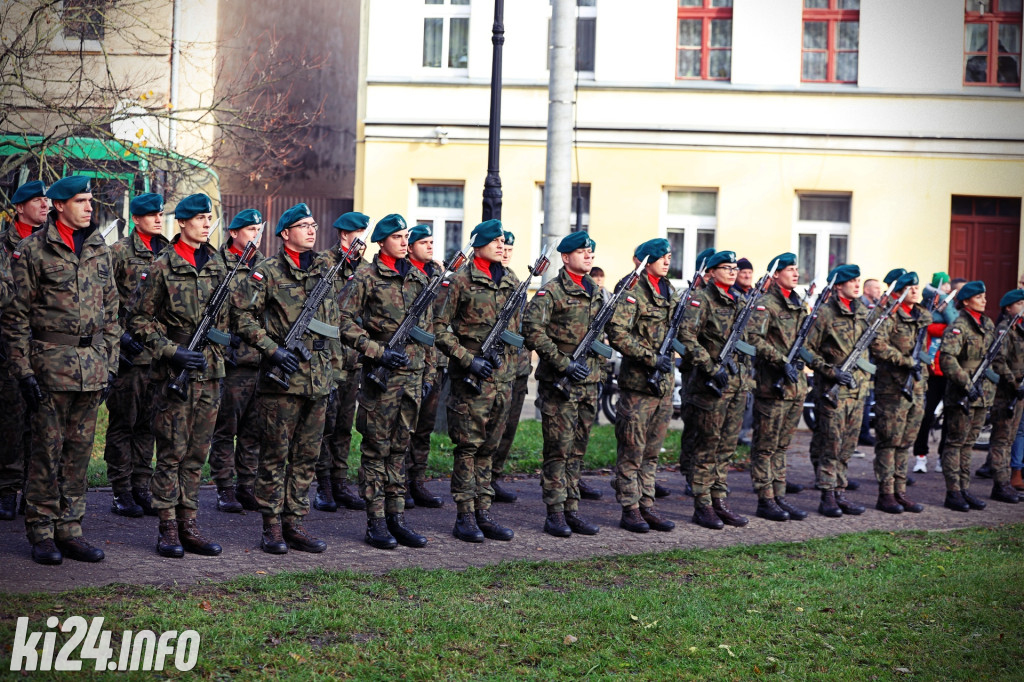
(205, 605)
(261, 572)
(728, 649)
(904, 671)
(569, 639)
(297, 657)
(799, 609)
(632, 617)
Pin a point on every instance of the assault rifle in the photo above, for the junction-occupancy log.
(205, 331)
(735, 341)
(917, 353)
(493, 346)
(306, 319)
(670, 342)
(408, 326)
(590, 343)
(854, 358)
(984, 371)
(801, 334)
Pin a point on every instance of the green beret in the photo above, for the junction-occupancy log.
(894, 275)
(782, 261)
(245, 218)
(420, 232)
(939, 278)
(575, 240)
(970, 290)
(703, 256)
(1011, 297)
(387, 226)
(292, 216)
(486, 232)
(193, 205)
(30, 190)
(65, 188)
(907, 279)
(147, 203)
(352, 221)
(653, 249)
(721, 258)
(510, 239)
(844, 273)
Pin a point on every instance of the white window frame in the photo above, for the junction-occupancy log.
(435, 216)
(446, 13)
(538, 216)
(582, 12)
(689, 225)
(63, 43)
(822, 230)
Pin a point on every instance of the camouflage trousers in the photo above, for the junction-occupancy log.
(183, 430)
(716, 432)
(419, 443)
(475, 424)
(515, 409)
(235, 449)
(565, 425)
(1004, 430)
(293, 426)
(63, 430)
(386, 420)
(775, 421)
(686, 442)
(337, 442)
(129, 449)
(897, 421)
(641, 423)
(835, 437)
(962, 429)
(15, 434)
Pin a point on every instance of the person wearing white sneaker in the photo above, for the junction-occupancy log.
(921, 465)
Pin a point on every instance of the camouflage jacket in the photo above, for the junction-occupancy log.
(57, 292)
(524, 359)
(964, 345)
(637, 328)
(349, 358)
(893, 347)
(245, 355)
(440, 359)
(131, 261)
(557, 318)
(830, 341)
(1009, 364)
(374, 304)
(172, 300)
(772, 331)
(471, 309)
(10, 238)
(704, 330)
(6, 281)
(266, 305)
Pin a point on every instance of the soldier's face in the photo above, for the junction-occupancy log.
(914, 294)
(849, 290)
(241, 237)
(396, 245)
(196, 230)
(491, 251)
(725, 274)
(506, 255)
(150, 224)
(745, 278)
(33, 212)
(422, 250)
(578, 262)
(76, 212)
(873, 290)
(977, 303)
(788, 277)
(345, 238)
(1015, 308)
(300, 236)
(659, 268)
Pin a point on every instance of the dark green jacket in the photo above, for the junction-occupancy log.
(1009, 364)
(636, 330)
(772, 331)
(829, 343)
(705, 328)
(245, 355)
(892, 348)
(557, 318)
(964, 345)
(131, 261)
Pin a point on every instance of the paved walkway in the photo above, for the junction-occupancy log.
(131, 556)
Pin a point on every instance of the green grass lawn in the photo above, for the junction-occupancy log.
(872, 606)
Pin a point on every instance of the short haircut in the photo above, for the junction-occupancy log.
(869, 281)
(957, 281)
(596, 272)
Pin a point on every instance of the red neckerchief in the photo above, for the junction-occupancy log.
(907, 307)
(24, 229)
(146, 239)
(576, 278)
(785, 292)
(235, 250)
(655, 282)
(725, 290)
(419, 265)
(387, 260)
(845, 303)
(186, 252)
(484, 266)
(294, 255)
(67, 234)
(975, 315)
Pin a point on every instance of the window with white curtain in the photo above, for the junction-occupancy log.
(446, 36)
(440, 206)
(822, 233)
(689, 219)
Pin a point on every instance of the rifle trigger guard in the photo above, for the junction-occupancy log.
(678, 347)
(218, 337)
(512, 339)
(422, 337)
(604, 350)
(746, 348)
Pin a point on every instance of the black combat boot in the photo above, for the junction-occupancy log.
(973, 501)
(124, 505)
(852, 484)
(661, 491)
(1004, 493)
(297, 538)
(728, 516)
(246, 496)
(704, 515)
(342, 495)
(955, 501)
(848, 506)
(554, 524)
(324, 500)
(144, 499)
(633, 522)
(655, 520)
(193, 541)
(767, 508)
(887, 503)
(688, 489)
(167, 542)
(8, 507)
(377, 534)
(491, 529)
(828, 506)
(793, 489)
(985, 471)
(423, 497)
(577, 524)
(503, 494)
(465, 528)
(272, 541)
(908, 505)
(795, 514)
(226, 501)
(588, 492)
(45, 552)
(404, 535)
(79, 550)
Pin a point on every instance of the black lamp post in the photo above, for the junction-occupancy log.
(492, 184)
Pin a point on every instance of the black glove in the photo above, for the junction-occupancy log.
(31, 392)
(481, 367)
(791, 372)
(105, 393)
(129, 346)
(974, 393)
(428, 388)
(332, 396)
(719, 377)
(393, 359)
(184, 358)
(916, 371)
(664, 364)
(1019, 391)
(798, 364)
(285, 359)
(845, 378)
(577, 371)
(236, 341)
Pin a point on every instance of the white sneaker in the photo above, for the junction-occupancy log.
(921, 465)
(858, 454)
(938, 465)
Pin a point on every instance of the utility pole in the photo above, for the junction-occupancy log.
(492, 184)
(558, 175)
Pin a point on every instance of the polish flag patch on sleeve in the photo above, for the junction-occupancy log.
(956, 331)
(446, 284)
(143, 276)
(257, 275)
(542, 293)
(630, 299)
(16, 255)
(695, 303)
(760, 307)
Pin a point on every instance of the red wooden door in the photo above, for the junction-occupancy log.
(984, 239)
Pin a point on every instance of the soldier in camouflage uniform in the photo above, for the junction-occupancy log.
(686, 438)
(557, 317)
(129, 449)
(841, 322)
(773, 330)
(421, 255)
(30, 205)
(717, 397)
(292, 415)
(964, 345)
(476, 420)
(237, 415)
(63, 341)
(332, 466)
(636, 330)
(897, 416)
(1009, 400)
(373, 305)
(172, 299)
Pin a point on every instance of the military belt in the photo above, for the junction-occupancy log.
(68, 339)
(316, 344)
(179, 335)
